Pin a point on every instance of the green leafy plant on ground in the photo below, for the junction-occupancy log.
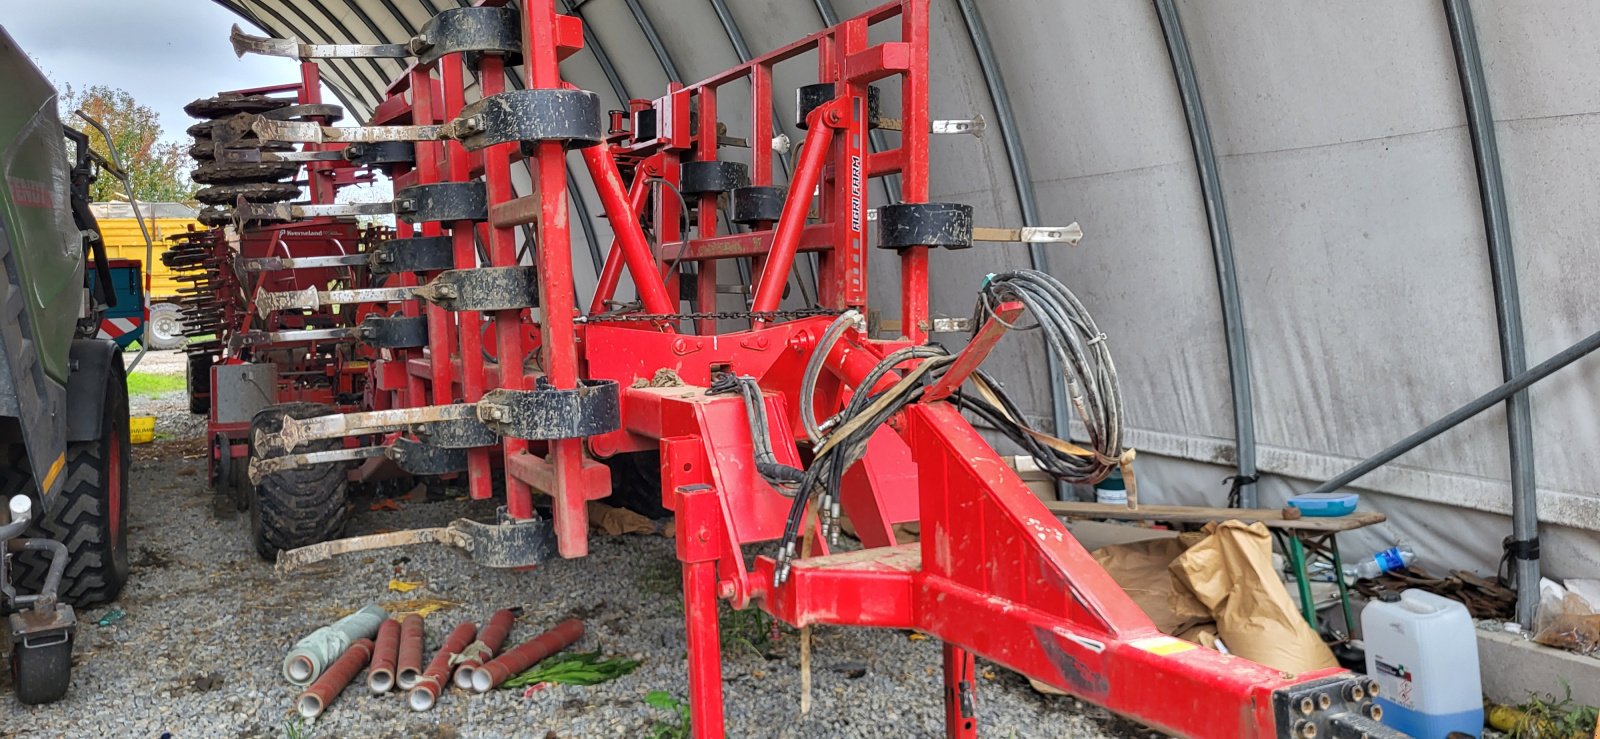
(675, 727)
(584, 668)
(1544, 717)
(144, 385)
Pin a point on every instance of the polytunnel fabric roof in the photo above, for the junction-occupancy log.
(1349, 175)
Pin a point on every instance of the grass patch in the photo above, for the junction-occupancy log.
(144, 385)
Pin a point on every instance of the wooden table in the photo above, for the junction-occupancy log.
(1299, 531)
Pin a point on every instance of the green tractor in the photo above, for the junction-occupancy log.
(63, 394)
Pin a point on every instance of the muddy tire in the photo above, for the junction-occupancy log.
(636, 483)
(301, 506)
(260, 192)
(216, 173)
(219, 106)
(214, 216)
(91, 514)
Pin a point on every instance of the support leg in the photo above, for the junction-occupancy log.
(1297, 561)
(960, 694)
(698, 514)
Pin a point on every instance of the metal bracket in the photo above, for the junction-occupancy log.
(464, 433)
(570, 116)
(261, 467)
(251, 156)
(273, 264)
(311, 298)
(1069, 234)
(1336, 706)
(486, 30)
(974, 126)
(418, 458)
(444, 201)
(296, 432)
(483, 289)
(590, 409)
(509, 544)
(254, 338)
(394, 332)
(420, 254)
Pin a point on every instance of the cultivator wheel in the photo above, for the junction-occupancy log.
(226, 104)
(197, 380)
(219, 173)
(300, 506)
(259, 192)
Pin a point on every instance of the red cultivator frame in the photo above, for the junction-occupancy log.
(514, 378)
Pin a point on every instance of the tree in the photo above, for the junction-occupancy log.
(159, 169)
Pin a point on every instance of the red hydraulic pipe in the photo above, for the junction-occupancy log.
(625, 224)
(488, 643)
(409, 661)
(611, 274)
(526, 654)
(384, 652)
(339, 674)
(426, 691)
(786, 238)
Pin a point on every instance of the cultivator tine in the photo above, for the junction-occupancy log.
(244, 43)
(312, 299)
(312, 133)
(257, 155)
(272, 264)
(297, 432)
(253, 338)
(508, 544)
(261, 467)
(286, 212)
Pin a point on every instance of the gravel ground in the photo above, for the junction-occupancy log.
(206, 624)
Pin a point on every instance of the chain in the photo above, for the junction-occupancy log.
(767, 315)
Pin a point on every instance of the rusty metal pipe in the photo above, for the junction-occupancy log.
(385, 650)
(316, 698)
(489, 642)
(409, 659)
(526, 654)
(426, 690)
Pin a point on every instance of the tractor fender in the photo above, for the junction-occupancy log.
(94, 363)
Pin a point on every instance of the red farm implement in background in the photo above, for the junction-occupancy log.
(458, 346)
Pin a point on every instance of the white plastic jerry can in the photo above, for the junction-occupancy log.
(1423, 651)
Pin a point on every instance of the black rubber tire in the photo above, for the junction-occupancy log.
(636, 483)
(91, 514)
(230, 103)
(301, 506)
(260, 192)
(216, 173)
(42, 674)
(198, 381)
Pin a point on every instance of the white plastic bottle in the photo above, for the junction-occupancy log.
(1423, 651)
(1388, 560)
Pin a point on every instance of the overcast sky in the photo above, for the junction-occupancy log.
(163, 52)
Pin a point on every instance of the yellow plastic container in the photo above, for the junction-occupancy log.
(141, 429)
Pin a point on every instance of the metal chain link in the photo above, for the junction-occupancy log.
(770, 315)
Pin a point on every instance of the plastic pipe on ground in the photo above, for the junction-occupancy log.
(311, 655)
(408, 661)
(526, 654)
(489, 642)
(316, 698)
(426, 690)
(385, 651)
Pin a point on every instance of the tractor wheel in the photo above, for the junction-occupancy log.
(219, 173)
(91, 514)
(164, 330)
(232, 478)
(260, 192)
(301, 506)
(231, 103)
(198, 378)
(42, 671)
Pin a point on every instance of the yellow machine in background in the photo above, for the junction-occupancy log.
(123, 240)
